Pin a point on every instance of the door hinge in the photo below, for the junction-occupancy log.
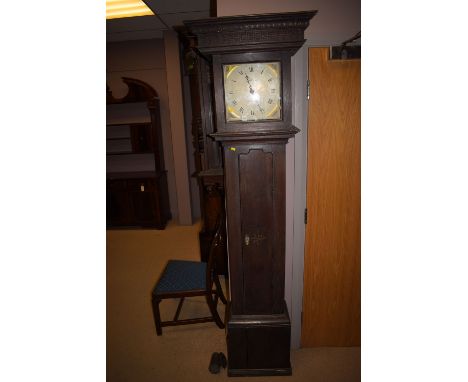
(308, 89)
(305, 216)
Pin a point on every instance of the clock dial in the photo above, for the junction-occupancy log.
(252, 91)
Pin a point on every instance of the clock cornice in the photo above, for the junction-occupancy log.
(251, 33)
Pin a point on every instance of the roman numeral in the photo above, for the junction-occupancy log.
(273, 90)
(271, 78)
(234, 102)
(262, 71)
(270, 101)
(252, 112)
(250, 69)
(241, 110)
(241, 72)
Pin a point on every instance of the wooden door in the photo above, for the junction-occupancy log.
(332, 297)
(255, 187)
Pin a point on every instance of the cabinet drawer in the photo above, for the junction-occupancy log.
(141, 185)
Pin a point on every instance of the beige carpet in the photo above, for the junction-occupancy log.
(135, 353)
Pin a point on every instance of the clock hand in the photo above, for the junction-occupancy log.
(250, 86)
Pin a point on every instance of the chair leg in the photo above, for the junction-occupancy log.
(157, 315)
(214, 311)
(179, 307)
(220, 290)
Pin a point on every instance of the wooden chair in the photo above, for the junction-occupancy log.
(181, 279)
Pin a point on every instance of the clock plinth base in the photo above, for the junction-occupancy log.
(258, 372)
(259, 344)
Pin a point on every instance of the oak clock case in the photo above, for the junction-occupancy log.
(258, 324)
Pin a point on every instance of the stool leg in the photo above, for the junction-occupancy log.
(157, 315)
(179, 307)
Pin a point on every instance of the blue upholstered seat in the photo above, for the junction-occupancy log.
(181, 275)
(182, 278)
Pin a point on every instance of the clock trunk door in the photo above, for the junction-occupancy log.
(257, 253)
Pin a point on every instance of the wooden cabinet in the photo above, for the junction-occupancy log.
(137, 192)
(136, 201)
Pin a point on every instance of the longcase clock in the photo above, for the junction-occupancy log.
(251, 61)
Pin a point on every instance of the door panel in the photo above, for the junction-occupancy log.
(332, 300)
(256, 187)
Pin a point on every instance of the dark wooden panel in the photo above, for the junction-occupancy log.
(144, 208)
(236, 347)
(119, 209)
(268, 346)
(163, 199)
(142, 141)
(332, 300)
(259, 344)
(256, 194)
(231, 181)
(257, 268)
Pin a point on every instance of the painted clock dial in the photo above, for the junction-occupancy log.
(252, 91)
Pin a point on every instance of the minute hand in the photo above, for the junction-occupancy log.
(250, 86)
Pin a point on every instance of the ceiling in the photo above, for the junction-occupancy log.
(169, 13)
(336, 21)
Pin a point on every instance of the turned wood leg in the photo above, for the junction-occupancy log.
(214, 311)
(220, 290)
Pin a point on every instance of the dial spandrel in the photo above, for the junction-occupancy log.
(252, 91)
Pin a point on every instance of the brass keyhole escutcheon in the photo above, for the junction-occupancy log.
(247, 239)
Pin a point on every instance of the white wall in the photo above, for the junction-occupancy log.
(193, 181)
(177, 121)
(336, 21)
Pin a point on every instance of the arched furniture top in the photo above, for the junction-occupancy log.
(138, 91)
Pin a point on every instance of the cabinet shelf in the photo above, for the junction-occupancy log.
(129, 121)
(128, 153)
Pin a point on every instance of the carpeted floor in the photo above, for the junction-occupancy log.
(135, 353)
